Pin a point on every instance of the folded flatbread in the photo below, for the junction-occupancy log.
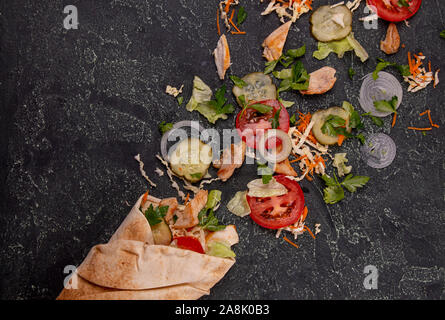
(131, 267)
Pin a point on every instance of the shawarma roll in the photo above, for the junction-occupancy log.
(131, 267)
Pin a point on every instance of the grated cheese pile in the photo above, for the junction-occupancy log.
(296, 9)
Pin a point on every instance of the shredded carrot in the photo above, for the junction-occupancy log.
(144, 198)
(424, 113)
(394, 118)
(341, 138)
(227, 8)
(298, 159)
(420, 129)
(187, 199)
(429, 66)
(234, 25)
(310, 232)
(290, 242)
(217, 22)
(238, 32)
(309, 178)
(233, 13)
(431, 120)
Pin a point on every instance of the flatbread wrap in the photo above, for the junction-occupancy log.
(132, 266)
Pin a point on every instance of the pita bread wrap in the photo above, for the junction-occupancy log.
(131, 267)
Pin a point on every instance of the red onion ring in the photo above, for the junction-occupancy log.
(384, 88)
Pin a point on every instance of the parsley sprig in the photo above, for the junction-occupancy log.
(219, 104)
(382, 64)
(208, 221)
(155, 216)
(386, 105)
(333, 192)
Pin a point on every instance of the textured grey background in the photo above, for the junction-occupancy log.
(77, 106)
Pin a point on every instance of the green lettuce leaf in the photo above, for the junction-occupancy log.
(340, 47)
(219, 249)
(201, 93)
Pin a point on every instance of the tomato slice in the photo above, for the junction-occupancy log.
(395, 13)
(252, 124)
(279, 211)
(189, 243)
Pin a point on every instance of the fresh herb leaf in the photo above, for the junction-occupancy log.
(286, 61)
(275, 120)
(180, 99)
(293, 119)
(296, 53)
(209, 222)
(360, 137)
(355, 122)
(197, 175)
(386, 105)
(329, 180)
(403, 69)
(351, 73)
(352, 183)
(155, 216)
(238, 81)
(270, 66)
(241, 15)
(333, 194)
(331, 125)
(265, 172)
(219, 104)
(261, 108)
(164, 127)
(442, 34)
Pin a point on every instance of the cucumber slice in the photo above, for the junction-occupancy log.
(320, 117)
(161, 233)
(259, 87)
(191, 159)
(328, 24)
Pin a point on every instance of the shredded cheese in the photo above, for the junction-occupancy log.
(296, 9)
(353, 5)
(173, 91)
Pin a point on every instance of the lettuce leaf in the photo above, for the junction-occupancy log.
(219, 249)
(340, 47)
(200, 101)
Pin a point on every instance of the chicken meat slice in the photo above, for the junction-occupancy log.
(391, 43)
(172, 204)
(231, 159)
(274, 43)
(321, 81)
(222, 56)
(285, 168)
(189, 216)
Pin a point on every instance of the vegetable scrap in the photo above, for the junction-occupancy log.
(419, 77)
(292, 9)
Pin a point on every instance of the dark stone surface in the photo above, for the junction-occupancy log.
(77, 106)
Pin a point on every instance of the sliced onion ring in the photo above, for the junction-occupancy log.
(379, 151)
(286, 143)
(384, 88)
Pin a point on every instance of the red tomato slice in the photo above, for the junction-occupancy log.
(395, 13)
(189, 243)
(280, 211)
(251, 124)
